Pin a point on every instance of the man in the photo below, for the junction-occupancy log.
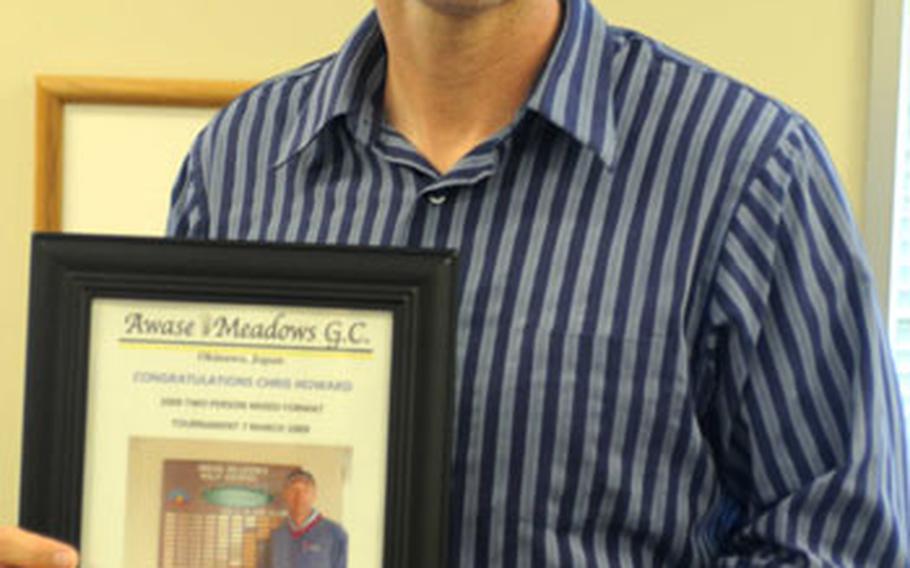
(306, 539)
(668, 348)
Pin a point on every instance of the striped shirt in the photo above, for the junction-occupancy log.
(668, 346)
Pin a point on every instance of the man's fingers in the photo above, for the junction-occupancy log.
(23, 549)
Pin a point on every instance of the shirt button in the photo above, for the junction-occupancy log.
(437, 198)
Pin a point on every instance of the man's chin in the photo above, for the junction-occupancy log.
(463, 8)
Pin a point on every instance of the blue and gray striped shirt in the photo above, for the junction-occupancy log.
(668, 346)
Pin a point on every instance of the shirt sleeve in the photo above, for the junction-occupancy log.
(275, 551)
(188, 216)
(806, 417)
(340, 559)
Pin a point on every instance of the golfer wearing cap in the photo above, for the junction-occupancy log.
(306, 539)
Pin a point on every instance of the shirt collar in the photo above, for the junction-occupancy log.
(573, 91)
(311, 521)
(349, 83)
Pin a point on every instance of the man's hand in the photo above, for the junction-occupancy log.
(21, 549)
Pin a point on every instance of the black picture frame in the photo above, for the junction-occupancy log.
(68, 272)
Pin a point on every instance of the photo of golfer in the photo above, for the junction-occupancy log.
(306, 539)
(217, 506)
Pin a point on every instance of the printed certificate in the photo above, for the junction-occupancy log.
(255, 386)
(237, 421)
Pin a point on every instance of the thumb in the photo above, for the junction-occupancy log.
(22, 549)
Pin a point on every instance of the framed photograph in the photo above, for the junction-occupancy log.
(195, 404)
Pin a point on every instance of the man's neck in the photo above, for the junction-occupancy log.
(457, 77)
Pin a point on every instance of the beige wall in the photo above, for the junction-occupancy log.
(813, 54)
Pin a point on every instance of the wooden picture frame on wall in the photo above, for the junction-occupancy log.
(55, 92)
